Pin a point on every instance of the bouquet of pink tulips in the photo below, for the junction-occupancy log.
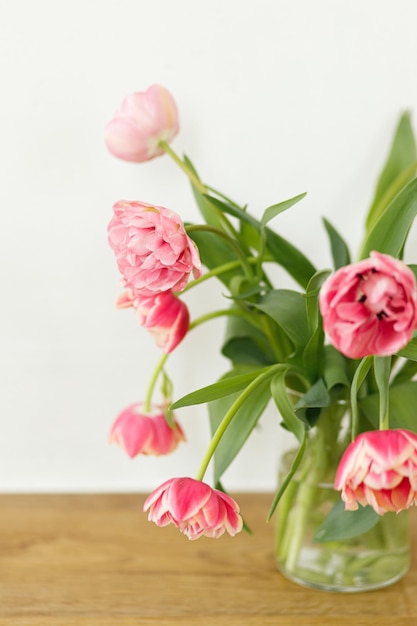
(342, 335)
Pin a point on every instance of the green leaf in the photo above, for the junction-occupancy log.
(311, 296)
(291, 259)
(250, 236)
(335, 368)
(276, 209)
(245, 350)
(340, 250)
(242, 289)
(398, 170)
(402, 403)
(389, 233)
(312, 357)
(225, 387)
(361, 373)
(214, 252)
(241, 425)
(282, 252)
(359, 376)
(410, 350)
(268, 215)
(382, 370)
(313, 351)
(285, 406)
(211, 214)
(340, 524)
(405, 373)
(413, 268)
(287, 480)
(166, 386)
(244, 343)
(288, 309)
(309, 405)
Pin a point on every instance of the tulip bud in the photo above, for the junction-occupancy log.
(142, 121)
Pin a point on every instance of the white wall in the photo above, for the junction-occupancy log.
(276, 97)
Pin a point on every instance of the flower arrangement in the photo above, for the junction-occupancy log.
(343, 341)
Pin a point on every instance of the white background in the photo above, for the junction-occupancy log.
(276, 97)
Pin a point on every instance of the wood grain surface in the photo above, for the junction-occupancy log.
(88, 560)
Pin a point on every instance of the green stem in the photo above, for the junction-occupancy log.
(313, 472)
(147, 403)
(223, 269)
(298, 519)
(382, 368)
(230, 415)
(221, 312)
(203, 189)
(217, 271)
(358, 378)
(199, 186)
(174, 156)
(288, 481)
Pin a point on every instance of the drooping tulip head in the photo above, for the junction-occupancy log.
(379, 468)
(143, 120)
(194, 507)
(165, 316)
(145, 432)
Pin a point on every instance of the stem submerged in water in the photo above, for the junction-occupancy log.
(374, 559)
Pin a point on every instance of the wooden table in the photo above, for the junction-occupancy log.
(87, 560)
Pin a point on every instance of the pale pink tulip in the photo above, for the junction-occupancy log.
(142, 121)
(141, 432)
(153, 251)
(379, 468)
(165, 316)
(370, 307)
(193, 507)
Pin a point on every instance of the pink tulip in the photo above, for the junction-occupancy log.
(153, 251)
(370, 307)
(144, 119)
(379, 468)
(140, 432)
(165, 316)
(194, 507)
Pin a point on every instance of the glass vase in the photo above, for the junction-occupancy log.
(377, 558)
